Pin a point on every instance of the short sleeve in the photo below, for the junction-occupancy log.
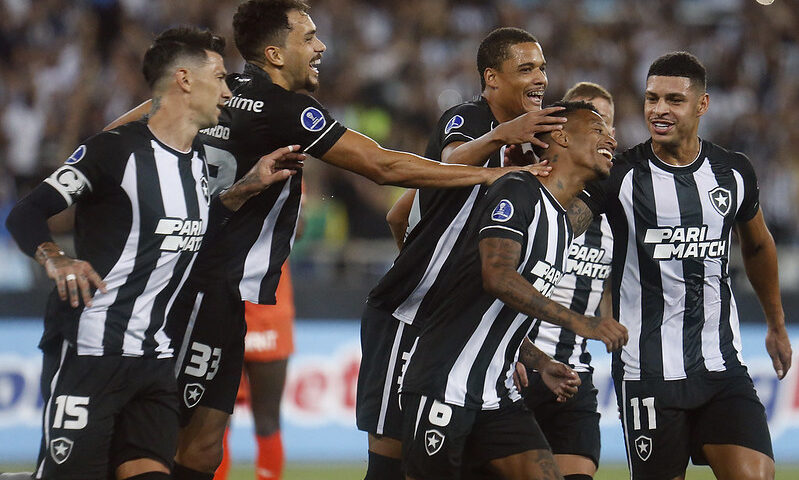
(509, 208)
(751, 197)
(309, 125)
(463, 123)
(87, 166)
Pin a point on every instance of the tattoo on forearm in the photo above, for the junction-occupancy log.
(580, 216)
(531, 356)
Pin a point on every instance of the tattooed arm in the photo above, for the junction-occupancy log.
(580, 216)
(500, 258)
(557, 376)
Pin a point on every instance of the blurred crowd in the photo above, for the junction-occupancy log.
(391, 67)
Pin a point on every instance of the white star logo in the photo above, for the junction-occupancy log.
(721, 200)
(193, 394)
(60, 448)
(432, 442)
(643, 446)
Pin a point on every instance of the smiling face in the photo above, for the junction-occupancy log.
(672, 108)
(302, 53)
(591, 143)
(518, 85)
(209, 89)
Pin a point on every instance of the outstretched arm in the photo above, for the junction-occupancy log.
(360, 154)
(760, 261)
(500, 258)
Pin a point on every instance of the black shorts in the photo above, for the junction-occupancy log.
(211, 330)
(666, 422)
(385, 346)
(572, 427)
(440, 440)
(100, 412)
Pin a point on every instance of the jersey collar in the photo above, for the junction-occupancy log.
(254, 70)
(677, 169)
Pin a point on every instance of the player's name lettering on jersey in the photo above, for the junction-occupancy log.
(247, 104)
(684, 242)
(599, 271)
(548, 277)
(181, 235)
(218, 131)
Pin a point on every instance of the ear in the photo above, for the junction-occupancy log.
(560, 137)
(274, 56)
(704, 103)
(183, 79)
(490, 77)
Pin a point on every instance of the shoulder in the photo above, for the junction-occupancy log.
(457, 116)
(720, 155)
(119, 140)
(517, 183)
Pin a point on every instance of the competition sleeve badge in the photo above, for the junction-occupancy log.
(454, 122)
(77, 155)
(503, 211)
(313, 119)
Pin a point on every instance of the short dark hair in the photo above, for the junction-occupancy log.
(260, 23)
(587, 90)
(569, 109)
(175, 43)
(495, 48)
(680, 64)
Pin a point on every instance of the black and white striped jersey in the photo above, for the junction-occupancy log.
(260, 118)
(466, 353)
(406, 288)
(670, 278)
(587, 266)
(142, 210)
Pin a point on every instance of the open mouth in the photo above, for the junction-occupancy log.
(536, 96)
(661, 127)
(315, 65)
(605, 153)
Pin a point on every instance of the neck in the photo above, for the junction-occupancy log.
(680, 154)
(171, 124)
(563, 182)
(500, 113)
(277, 76)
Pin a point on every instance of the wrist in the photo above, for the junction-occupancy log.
(48, 251)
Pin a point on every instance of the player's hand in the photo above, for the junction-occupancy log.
(561, 379)
(520, 376)
(516, 156)
(73, 278)
(278, 165)
(778, 346)
(523, 128)
(606, 329)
